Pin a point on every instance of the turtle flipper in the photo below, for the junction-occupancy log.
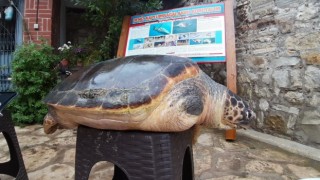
(50, 125)
(180, 109)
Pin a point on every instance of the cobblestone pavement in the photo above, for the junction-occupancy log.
(52, 157)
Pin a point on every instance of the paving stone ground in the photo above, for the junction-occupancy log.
(52, 157)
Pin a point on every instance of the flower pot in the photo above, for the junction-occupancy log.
(64, 62)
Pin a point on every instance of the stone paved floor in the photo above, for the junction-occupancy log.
(52, 157)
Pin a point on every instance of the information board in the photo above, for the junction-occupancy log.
(197, 32)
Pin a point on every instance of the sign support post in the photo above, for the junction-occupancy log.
(231, 57)
(231, 48)
(123, 37)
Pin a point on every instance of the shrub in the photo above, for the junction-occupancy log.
(33, 77)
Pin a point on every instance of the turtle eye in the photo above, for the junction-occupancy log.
(248, 114)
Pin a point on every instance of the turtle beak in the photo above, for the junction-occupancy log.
(245, 122)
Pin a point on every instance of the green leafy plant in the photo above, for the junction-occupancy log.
(107, 16)
(33, 77)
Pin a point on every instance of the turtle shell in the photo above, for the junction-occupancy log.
(122, 83)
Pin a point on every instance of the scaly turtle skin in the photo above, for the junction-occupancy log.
(147, 92)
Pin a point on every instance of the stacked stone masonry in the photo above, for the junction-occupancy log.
(278, 65)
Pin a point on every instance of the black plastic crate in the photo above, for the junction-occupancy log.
(137, 155)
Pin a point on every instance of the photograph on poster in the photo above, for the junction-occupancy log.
(160, 29)
(185, 26)
(183, 36)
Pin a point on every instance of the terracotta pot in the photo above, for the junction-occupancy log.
(64, 62)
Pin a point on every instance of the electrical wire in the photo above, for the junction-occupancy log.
(37, 15)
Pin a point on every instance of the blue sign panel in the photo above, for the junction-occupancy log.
(197, 32)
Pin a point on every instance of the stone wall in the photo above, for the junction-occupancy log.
(278, 65)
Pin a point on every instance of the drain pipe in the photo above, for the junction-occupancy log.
(36, 25)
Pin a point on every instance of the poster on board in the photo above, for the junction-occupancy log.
(197, 32)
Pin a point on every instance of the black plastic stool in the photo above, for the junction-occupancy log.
(15, 166)
(137, 155)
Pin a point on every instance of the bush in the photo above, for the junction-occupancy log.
(33, 77)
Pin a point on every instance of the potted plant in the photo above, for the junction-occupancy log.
(80, 54)
(66, 55)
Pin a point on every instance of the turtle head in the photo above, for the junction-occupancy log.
(237, 113)
(50, 125)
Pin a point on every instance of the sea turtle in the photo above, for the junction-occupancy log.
(161, 30)
(145, 92)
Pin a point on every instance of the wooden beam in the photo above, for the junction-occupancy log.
(123, 37)
(230, 135)
(230, 47)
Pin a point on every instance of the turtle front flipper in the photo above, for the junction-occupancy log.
(180, 109)
(50, 125)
